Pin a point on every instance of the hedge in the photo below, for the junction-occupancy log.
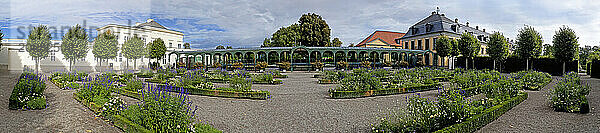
(262, 95)
(595, 69)
(131, 94)
(117, 120)
(477, 121)
(390, 91)
(514, 64)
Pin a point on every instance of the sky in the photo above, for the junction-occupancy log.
(245, 23)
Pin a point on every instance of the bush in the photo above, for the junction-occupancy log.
(37, 103)
(261, 65)
(30, 86)
(342, 65)
(285, 65)
(318, 65)
(569, 95)
(134, 85)
(240, 81)
(238, 65)
(365, 64)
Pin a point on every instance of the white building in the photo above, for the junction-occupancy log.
(13, 55)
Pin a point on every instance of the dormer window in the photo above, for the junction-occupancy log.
(428, 27)
(415, 30)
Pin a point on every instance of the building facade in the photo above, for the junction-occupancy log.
(382, 39)
(424, 34)
(14, 56)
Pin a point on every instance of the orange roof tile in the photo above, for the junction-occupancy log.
(385, 36)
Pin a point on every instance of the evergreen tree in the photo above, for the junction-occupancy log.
(529, 44)
(565, 45)
(38, 44)
(74, 45)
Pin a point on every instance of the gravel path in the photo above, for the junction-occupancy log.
(536, 115)
(63, 113)
(299, 105)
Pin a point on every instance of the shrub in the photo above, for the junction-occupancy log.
(569, 95)
(387, 64)
(285, 65)
(205, 128)
(37, 103)
(240, 81)
(218, 65)
(98, 90)
(365, 64)
(342, 65)
(238, 65)
(403, 64)
(134, 85)
(318, 65)
(360, 81)
(261, 65)
(30, 86)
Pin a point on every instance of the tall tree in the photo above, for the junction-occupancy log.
(38, 44)
(336, 42)
(220, 47)
(469, 47)
(157, 50)
(266, 43)
(134, 49)
(105, 46)
(74, 45)
(443, 47)
(529, 44)
(286, 36)
(186, 45)
(565, 45)
(548, 50)
(498, 47)
(314, 30)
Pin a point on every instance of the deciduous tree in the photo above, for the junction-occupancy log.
(74, 45)
(498, 47)
(314, 30)
(469, 47)
(133, 49)
(157, 50)
(105, 46)
(443, 47)
(529, 44)
(38, 44)
(565, 45)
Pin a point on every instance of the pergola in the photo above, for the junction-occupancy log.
(303, 56)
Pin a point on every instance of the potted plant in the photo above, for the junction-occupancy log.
(261, 66)
(387, 64)
(238, 65)
(342, 65)
(365, 64)
(318, 65)
(285, 66)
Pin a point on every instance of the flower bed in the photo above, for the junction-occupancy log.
(533, 80)
(28, 93)
(338, 94)
(476, 122)
(569, 95)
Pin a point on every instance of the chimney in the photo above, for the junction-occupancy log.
(477, 27)
(467, 24)
(456, 20)
(483, 30)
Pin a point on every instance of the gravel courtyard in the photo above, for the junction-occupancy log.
(298, 105)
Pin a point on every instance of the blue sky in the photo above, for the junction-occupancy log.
(245, 23)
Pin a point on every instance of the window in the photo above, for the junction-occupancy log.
(419, 43)
(427, 44)
(405, 45)
(412, 44)
(428, 27)
(454, 28)
(170, 45)
(52, 58)
(120, 59)
(434, 42)
(178, 45)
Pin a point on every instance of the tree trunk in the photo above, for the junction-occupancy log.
(527, 67)
(71, 65)
(466, 63)
(494, 64)
(473, 61)
(134, 64)
(37, 61)
(563, 67)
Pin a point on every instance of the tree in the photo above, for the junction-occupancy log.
(157, 49)
(529, 44)
(468, 46)
(1, 36)
(498, 47)
(286, 36)
(314, 30)
(38, 44)
(565, 45)
(220, 47)
(548, 50)
(74, 45)
(134, 49)
(266, 43)
(454, 51)
(336, 42)
(185, 45)
(105, 46)
(443, 47)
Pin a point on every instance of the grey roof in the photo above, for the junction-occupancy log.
(440, 23)
(151, 24)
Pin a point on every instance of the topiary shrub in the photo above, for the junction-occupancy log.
(37, 103)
